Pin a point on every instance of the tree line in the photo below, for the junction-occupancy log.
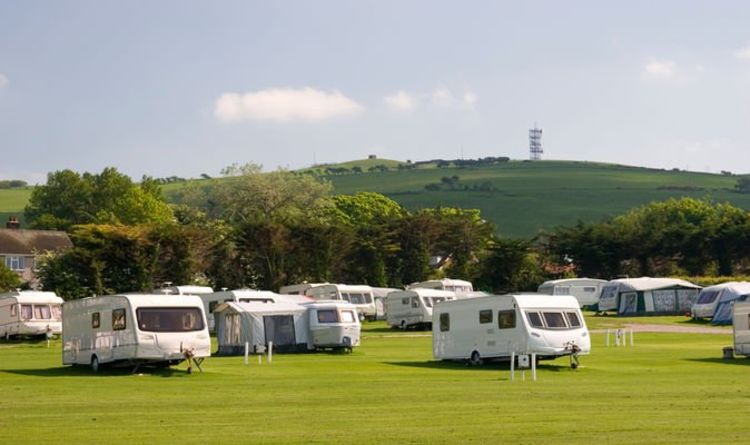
(265, 230)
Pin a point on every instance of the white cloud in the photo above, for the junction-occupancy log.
(469, 99)
(401, 101)
(442, 97)
(743, 53)
(3, 80)
(660, 69)
(285, 105)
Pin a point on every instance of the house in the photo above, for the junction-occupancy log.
(21, 248)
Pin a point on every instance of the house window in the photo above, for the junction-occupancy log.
(118, 320)
(445, 322)
(506, 319)
(14, 262)
(485, 316)
(95, 320)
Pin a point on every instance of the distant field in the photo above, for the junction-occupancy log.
(524, 197)
(669, 388)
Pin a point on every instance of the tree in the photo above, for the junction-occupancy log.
(9, 280)
(510, 266)
(69, 198)
(743, 185)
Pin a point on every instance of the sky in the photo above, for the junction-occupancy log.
(185, 87)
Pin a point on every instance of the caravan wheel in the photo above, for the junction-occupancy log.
(475, 359)
(94, 364)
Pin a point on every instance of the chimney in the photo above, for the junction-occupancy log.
(13, 223)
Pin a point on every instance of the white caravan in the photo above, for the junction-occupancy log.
(184, 290)
(290, 326)
(586, 290)
(413, 307)
(30, 313)
(741, 327)
(298, 289)
(494, 327)
(378, 296)
(458, 286)
(360, 296)
(708, 299)
(213, 300)
(135, 329)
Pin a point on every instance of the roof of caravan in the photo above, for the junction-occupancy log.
(302, 285)
(383, 291)
(251, 293)
(30, 296)
(348, 287)
(261, 308)
(444, 282)
(159, 300)
(737, 287)
(424, 292)
(188, 290)
(648, 283)
(524, 301)
(316, 304)
(572, 281)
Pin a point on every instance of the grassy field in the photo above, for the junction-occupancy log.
(669, 388)
(523, 197)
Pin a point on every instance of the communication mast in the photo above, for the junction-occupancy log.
(535, 144)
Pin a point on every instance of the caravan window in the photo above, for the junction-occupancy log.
(167, 319)
(427, 301)
(415, 302)
(26, 312)
(13, 310)
(535, 320)
(589, 289)
(707, 297)
(345, 297)
(554, 320)
(118, 320)
(42, 312)
(348, 317)
(357, 298)
(327, 316)
(56, 311)
(445, 322)
(506, 319)
(485, 316)
(405, 301)
(573, 320)
(95, 320)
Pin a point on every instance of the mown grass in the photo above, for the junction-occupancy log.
(669, 388)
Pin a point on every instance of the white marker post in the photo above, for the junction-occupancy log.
(512, 366)
(533, 366)
(247, 351)
(270, 351)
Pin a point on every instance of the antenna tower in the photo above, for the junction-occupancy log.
(535, 144)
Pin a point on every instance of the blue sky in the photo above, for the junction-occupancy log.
(182, 88)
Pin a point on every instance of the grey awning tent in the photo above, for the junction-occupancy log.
(648, 296)
(258, 324)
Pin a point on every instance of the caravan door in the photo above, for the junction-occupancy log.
(279, 330)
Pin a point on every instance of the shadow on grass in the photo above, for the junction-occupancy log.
(491, 366)
(104, 371)
(743, 361)
(396, 331)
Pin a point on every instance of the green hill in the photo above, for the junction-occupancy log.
(520, 197)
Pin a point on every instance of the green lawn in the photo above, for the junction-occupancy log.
(669, 388)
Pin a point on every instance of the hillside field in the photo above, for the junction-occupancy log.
(668, 388)
(519, 197)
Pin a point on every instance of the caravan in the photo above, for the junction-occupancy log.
(585, 290)
(289, 326)
(458, 286)
(30, 313)
(708, 302)
(135, 329)
(378, 295)
(741, 328)
(495, 327)
(184, 290)
(413, 307)
(360, 296)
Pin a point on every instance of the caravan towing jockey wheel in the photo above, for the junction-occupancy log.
(475, 359)
(402, 326)
(94, 364)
